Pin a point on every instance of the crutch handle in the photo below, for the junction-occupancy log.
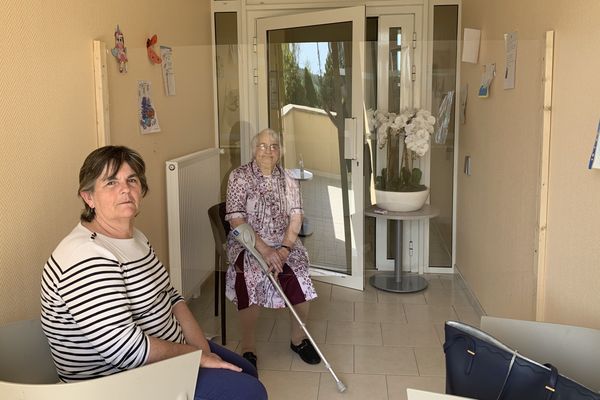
(245, 235)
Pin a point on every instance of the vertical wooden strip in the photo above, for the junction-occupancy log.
(101, 94)
(544, 178)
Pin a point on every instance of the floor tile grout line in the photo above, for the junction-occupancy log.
(405, 313)
(416, 361)
(354, 359)
(387, 387)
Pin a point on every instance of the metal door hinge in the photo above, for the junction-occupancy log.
(414, 40)
(411, 248)
(413, 73)
(255, 76)
(254, 44)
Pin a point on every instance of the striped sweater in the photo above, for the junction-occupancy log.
(101, 299)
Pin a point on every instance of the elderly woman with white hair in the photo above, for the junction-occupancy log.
(264, 195)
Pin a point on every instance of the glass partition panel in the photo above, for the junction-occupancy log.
(393, 91)
(445, 32)
(228, 101)
(370, 143)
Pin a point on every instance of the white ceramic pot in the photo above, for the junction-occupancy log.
(401, 201)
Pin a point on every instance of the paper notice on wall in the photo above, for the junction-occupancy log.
(471, 40)
(510, 48)
(168, 70)
(595, 158)
(147, 117)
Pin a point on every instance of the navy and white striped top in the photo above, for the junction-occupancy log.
(101, 299)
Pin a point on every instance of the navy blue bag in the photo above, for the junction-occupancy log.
(481, 367)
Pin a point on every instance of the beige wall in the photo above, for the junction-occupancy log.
(498, 204)
(47, 119)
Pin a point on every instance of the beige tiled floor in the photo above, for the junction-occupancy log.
(378, 343)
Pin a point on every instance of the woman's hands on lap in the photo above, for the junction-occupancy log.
(283, 254)
(273, 260)
(274, 257)
(211, 360)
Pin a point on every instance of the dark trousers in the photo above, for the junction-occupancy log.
(224, 384)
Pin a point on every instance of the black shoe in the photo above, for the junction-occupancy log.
(306, 351)
(251, 357)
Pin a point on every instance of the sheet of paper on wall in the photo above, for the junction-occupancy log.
(510, 47)
(595, 158)
(489, 72)
(471, 41)
(147, 117)
(168, 71)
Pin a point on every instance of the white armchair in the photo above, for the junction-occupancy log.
(27, 372)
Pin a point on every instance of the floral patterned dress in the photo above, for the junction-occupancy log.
(266, 204)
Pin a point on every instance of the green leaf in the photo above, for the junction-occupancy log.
(416, 175)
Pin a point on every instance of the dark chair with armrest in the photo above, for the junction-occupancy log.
(220, 229)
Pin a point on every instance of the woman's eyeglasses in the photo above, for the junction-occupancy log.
(264, 147)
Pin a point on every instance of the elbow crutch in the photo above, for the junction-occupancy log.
(245, 235)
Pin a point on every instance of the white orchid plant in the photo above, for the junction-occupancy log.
(414, 128)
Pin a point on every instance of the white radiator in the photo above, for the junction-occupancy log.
(193, 185)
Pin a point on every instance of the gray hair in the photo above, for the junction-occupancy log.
(272, 134)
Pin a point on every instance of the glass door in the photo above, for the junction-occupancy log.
(310, 85)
